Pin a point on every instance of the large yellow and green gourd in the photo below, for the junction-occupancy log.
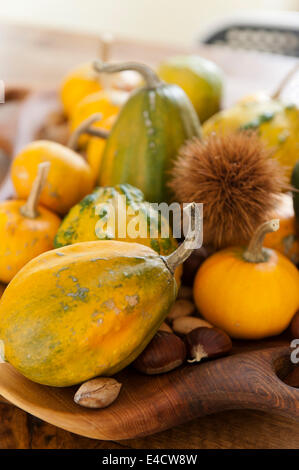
(119, 213)
(87, 309)
(150, 128)
(275, 122)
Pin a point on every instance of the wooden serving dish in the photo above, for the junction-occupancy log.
(250, 378)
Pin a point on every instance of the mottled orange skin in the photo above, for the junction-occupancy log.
(247, 300)
(23, 238)
(69, 179)
(84, 310)
(79, 83)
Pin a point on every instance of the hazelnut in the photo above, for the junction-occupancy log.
(181, 308)
(203, 343)
(98, 393)
(165, 327)
(165, 352)
(183, 325)
(295, 325)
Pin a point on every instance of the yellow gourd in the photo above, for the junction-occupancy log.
(250, 294)
(70, 178)
(82, 223)
(87, 309)
(78, 83)
(106, 102)
(276, 123)
(27, 229)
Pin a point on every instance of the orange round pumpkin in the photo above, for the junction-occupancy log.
(27, 230)
(250, 294)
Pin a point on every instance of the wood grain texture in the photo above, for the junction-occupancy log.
(147, 405)
(239, 429)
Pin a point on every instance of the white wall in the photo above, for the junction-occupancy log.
(176, 21)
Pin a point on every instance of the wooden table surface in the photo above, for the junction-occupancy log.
(38, 58)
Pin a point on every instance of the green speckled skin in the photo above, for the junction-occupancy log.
(151, 127)
(79, 225)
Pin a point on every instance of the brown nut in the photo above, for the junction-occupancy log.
(295, 325)
(185, 292)
(183, 325)
(165, 352)
(98, 393)
(165, 327)
(181, 308)
(203, 343)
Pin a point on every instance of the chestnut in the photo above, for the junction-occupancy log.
(205, 343)
(165, 352)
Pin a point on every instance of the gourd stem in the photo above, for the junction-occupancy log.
(254, 252)
(85, 128)
(285, 81)
(30, 208)
(184, 250)
(150, 77)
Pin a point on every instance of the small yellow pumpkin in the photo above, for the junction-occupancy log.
(70, 177)
(27, 229)
(250, 293)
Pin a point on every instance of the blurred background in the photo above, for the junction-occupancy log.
(170, 21)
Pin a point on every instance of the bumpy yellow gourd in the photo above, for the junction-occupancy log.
(86, 309)
(276, 123)
(82, 222)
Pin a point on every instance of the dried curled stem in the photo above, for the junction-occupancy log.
(189, 244)
(255, 252)
(86, 128)
(150, 77)
(285, 81)
(30, 208)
